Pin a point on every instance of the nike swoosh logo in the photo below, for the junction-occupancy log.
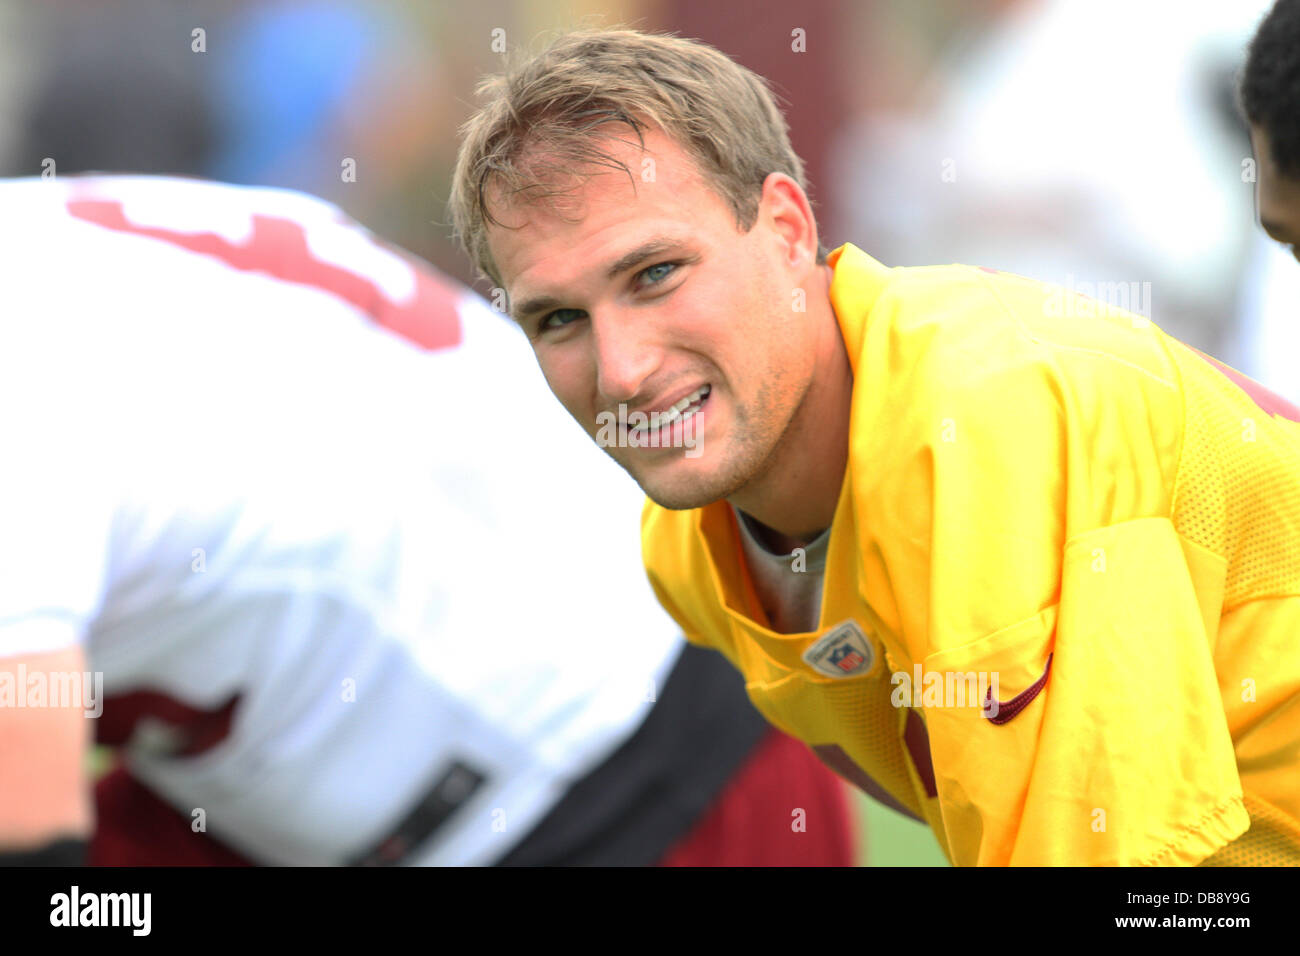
(1008, 710)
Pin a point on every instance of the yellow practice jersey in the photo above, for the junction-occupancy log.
(1067, 551)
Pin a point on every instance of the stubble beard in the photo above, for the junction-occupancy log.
(751, 457)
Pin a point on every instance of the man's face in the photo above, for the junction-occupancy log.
(1278, 196)
(651, 298)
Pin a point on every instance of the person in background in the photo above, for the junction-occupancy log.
(273, 519)
(1270, 100)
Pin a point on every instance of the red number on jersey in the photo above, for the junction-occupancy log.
(278, 247)
(193, 730)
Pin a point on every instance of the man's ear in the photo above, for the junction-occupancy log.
(785, 207)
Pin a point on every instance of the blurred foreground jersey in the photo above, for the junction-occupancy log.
(1054, 506)
(303, 554)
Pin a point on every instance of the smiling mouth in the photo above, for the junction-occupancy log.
(682, 411)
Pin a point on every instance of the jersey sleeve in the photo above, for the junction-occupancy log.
(1030, 554)
(54, 541)
(56, 510)
(663, 548)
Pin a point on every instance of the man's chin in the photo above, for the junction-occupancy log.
(675, 501)
(685, 488)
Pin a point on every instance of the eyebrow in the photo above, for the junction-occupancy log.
(647, 250)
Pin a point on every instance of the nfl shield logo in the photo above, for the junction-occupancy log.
(844, 651)
(846, 659)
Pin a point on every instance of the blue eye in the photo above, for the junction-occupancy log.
(663, 275)
(562, 317)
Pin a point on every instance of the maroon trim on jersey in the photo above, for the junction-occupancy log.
(1270, 402)
(917, 739)
(1005, 711)
(839, 761)
(278, 248)
(197, 730)
(136, 827)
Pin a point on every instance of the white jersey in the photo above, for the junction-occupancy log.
(338, 554)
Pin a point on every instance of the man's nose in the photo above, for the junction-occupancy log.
(626, 356)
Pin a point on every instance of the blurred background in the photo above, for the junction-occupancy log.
(1093, 143)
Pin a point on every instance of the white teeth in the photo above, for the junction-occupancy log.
(670, 416)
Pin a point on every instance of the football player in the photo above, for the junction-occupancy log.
(290, 518)
(1017, 562)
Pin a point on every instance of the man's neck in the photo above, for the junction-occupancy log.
(796, 498)
(775, 542)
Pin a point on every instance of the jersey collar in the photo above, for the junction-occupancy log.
(856, 283)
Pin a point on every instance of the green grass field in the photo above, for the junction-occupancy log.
(886, 838)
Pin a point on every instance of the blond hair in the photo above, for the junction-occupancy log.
(539, 127)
